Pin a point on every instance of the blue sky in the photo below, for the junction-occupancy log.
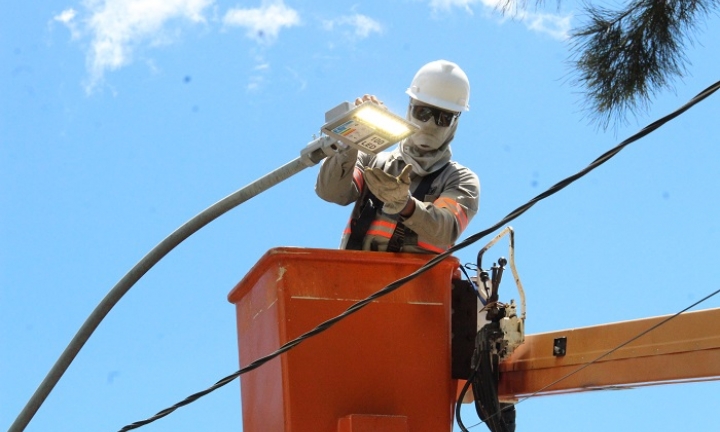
(121, 120)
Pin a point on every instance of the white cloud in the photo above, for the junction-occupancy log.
(263, 24)
(302, 82)
(116, 27)
(364, 25)
(555, 25)
(259, 73)
(447, 4)
(67, 17)
(256, 82)
(361, 26)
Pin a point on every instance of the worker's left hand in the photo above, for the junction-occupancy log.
(391, 190)
(369, 98)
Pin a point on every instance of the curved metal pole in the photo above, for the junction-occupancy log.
(490, 244)
(311, 155)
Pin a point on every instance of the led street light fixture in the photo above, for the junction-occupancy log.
(367, 127)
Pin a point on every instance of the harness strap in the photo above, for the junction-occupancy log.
(371, 206)
(401, 231)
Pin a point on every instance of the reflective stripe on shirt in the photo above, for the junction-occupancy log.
(455, 208)
(382, 228)
(358, 179)
(430, 247)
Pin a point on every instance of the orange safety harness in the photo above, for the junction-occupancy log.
(371, 206)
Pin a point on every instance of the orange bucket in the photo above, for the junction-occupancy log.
(384, 368)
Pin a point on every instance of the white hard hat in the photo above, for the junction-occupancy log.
(443, 84)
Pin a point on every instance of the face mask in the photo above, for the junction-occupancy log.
(429, 148)
(430, 137)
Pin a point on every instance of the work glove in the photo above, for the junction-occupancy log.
(391, 190)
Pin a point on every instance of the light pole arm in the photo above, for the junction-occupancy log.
(311, 155)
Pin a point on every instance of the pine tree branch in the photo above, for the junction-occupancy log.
(625, 57)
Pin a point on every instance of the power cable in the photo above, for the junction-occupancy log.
(434, 261)
(461, 396)
(602, 356)
(629, 341)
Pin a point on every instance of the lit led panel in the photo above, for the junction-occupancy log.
(369, 128)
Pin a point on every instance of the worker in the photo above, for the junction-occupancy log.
(414, 198)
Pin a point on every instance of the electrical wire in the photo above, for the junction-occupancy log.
(433, 261)
(461, 397)
(474, 285)
(602, 356)
(629, 341)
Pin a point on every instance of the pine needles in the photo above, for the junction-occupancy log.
(624, 57)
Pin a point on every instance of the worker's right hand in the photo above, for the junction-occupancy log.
(393, 191)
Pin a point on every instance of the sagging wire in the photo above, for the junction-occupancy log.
(500, 417)
(629, 341)
(293, 343)
(435, 260)
(590, 363)
(461, 397)
(483, 363)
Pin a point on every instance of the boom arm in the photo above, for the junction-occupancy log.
(683, 349)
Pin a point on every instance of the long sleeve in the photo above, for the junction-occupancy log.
(441, 220)
(336, 181)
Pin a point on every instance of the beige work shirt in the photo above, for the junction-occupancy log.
(438, 220)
